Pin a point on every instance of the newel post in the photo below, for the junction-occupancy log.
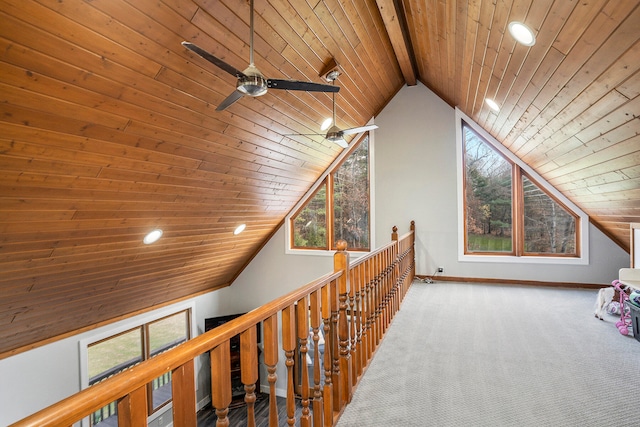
(341, 263)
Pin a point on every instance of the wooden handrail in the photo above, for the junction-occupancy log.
(354, 305)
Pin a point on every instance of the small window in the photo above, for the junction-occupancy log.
(117, 353)
(345, 194)
(310, 223)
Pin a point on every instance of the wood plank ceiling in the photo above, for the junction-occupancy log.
(109, 129)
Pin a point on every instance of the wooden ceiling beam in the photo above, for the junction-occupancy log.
(394, 21)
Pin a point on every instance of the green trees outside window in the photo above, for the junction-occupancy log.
(310, 224)
(351, 199)
(488, 191)
(506, 211)
(548, 227)
(339, 209)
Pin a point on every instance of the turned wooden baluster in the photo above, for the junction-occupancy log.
(373, 305)
(356, 332)
(314, 310)
(327, 391)
(184, 395)
(390, 284)
(341, 263)
(333, 340)
(384, 266)
(395, 265)
(132, 409)
(383, 293)
(380, 302)
(390, 254)
(303, 334)
(289, 345)
(376, 301)
(362, 318)
(270, 327)
(351, 306)
(368, 341)
(221, 382)
(399, 281)
(249, 370)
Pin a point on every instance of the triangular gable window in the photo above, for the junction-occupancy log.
(506, 212)
(339, 209)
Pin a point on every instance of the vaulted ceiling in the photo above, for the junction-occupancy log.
(108, 129)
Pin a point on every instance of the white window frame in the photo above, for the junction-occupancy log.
(126, 325)
(582, 230)
(329, 252)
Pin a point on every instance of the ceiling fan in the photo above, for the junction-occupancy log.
(335, 134)
(251, 82)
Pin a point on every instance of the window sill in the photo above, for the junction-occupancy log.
(321, 252)
(524, 260)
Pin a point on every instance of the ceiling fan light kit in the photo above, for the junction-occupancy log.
(326, 123)
(335, 134)
(252, 83)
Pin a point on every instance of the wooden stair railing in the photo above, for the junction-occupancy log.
(352, 307)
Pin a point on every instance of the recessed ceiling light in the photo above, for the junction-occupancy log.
(491, 103)
(153, 236)
(239, 229)
(327, 122)
(522, 33)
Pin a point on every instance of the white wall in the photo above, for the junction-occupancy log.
(416, 179)
(415, 167)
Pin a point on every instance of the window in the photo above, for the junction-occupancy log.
(488, 192)
(549, 228)
(339, 208)
(310, 224)
(119, 352)
(506, 211)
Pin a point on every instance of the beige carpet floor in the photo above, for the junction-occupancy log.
(489, 355)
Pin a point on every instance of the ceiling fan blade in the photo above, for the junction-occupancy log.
(215, 61)
(358, 130)
(299, 85)
(235, 95)
(341, 142)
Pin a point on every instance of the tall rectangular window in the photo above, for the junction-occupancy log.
(351, 199)
(489, 194)
(163, 335)
(106, 358)
(508, 213)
